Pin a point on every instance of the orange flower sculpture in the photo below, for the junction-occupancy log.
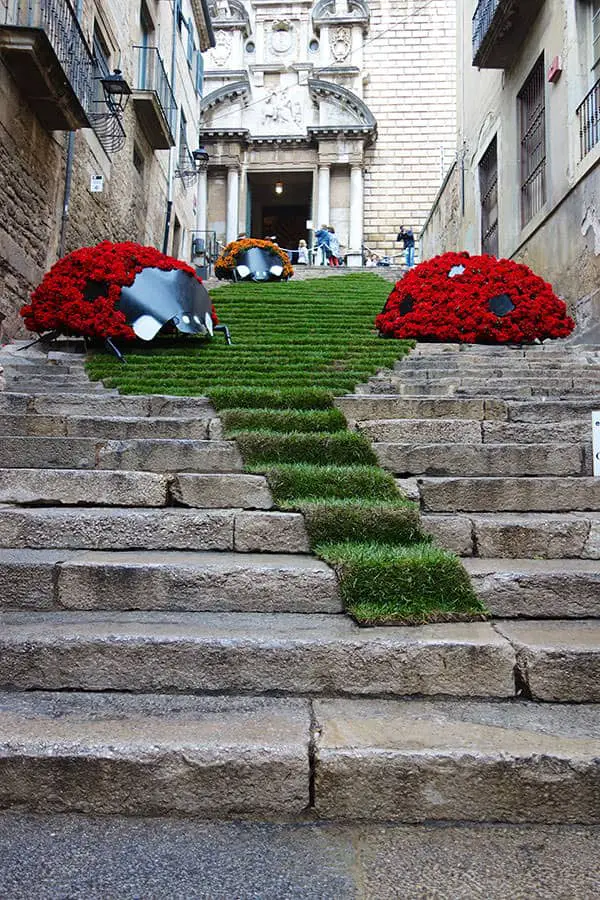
(228, 260)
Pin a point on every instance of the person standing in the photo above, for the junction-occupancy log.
(334, 246)
(302, 253)
(407, 237)
(322, 238)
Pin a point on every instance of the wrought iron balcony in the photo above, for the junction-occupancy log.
(499, 29)
(153, 98)
(588, 116)
(46, 52)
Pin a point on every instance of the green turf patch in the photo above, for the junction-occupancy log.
(258, 447)
(412, 585)
(258, 398)
(313, 483)
(285, 420)
(393, 522)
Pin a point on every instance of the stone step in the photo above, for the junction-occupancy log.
(411, 366)
(557, 660)
(549, 384)
(364, 407)
(25, 380)
(459, 431)
(250, 653)
(144, 454)
(461, 388)
(552, 410)
(537, 588)
(542, 494)
(89, 487)
(513, 535)
(154, 755)
(451, 431)
(481, 459)
(422, 761)
(106, 403)
(173, 581)
(108, 427)
(537, 433)
(153, 529)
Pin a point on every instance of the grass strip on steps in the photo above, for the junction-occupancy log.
(262, 446)
(295, 346)
(416, 584)
(283, 420)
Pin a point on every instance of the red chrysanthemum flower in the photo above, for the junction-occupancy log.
(473, 299)
(78, 296)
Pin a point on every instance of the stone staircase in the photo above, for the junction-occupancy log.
(169, 646)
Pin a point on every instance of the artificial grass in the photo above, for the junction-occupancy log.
(262, 446)
(414, 584)
(295, 346)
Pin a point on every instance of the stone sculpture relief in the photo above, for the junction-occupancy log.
(220, 53)
(281, 37)
(279, 108)
(340, 40)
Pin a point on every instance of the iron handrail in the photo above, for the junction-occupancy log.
(151, 76)
(588, 113)
(482, 19)
(58, 20)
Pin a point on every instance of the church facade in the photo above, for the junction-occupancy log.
(339, 112)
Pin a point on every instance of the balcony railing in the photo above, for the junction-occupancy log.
(47, 53)
(588, 114)
(153, 97)
(499, 29)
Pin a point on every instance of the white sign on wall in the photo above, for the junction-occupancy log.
(596, 441)
(97, 184)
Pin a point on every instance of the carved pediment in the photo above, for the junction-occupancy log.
(327, 12)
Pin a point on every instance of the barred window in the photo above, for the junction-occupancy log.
(488, 188)
(532, 127)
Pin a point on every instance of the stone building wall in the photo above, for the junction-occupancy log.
(410, 58)
(31, 178)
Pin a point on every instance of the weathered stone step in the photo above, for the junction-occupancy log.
(557, 660)
(168, 580)
(551, 410)
(26, 381)
(363, 407)
(106, 403)
(518, 534)
(452, 431)
(153, 529)
(97, 487)
(550, 384)
(108, 427)
(458, 431)
(423, 761)
(481, 459)
(542, 494)
(459, 387)
(250, 653)
(414, 366)
(154, 755)
(144, 454)
(537, 588)
(534, 433)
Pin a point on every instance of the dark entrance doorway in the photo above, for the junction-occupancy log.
(283, 215)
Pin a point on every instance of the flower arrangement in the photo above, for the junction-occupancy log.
(473, 299)
(227, 260)
(80, 293)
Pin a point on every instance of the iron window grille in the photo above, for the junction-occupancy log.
(488, 184)
(532, 121)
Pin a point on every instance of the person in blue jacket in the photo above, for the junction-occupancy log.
(322, 238)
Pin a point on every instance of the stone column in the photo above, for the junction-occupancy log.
(202, 219)
(323, 204)
(233, 190)
(356, 216)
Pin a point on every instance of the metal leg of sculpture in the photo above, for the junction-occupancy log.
(114, 349)
(225, 331)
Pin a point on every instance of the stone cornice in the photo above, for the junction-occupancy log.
(227, 92)
(201, 15)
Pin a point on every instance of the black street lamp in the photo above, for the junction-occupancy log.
(116, 92)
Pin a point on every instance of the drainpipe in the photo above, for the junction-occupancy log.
(170, 171)
(68, 173)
